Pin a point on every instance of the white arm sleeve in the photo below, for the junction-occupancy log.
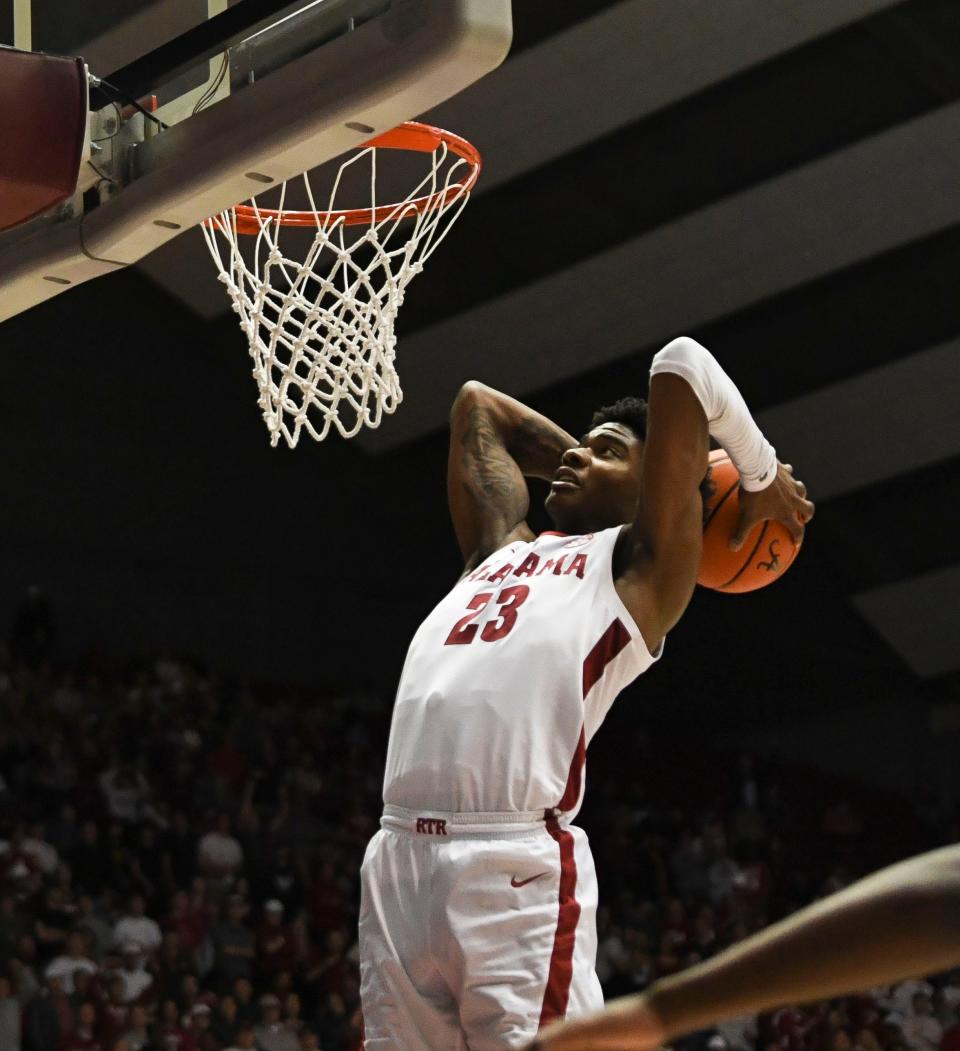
(728, 417)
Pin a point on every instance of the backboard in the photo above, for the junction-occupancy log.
(196, 104)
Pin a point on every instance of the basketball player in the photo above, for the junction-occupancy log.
(899, 923)
(478, 896)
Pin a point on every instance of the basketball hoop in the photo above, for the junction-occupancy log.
(321, 331)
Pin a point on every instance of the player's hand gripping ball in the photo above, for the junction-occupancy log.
(767, 550)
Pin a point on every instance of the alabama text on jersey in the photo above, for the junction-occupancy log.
(508, 679)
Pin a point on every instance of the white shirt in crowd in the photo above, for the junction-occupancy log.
(44, 854)
(276, 1037)
(740, 1033)
(902, 994)
(65, 967)
(219, 853)
(922, 1032)
(951, 995)
(139, 929)
(125, 794)
(135, 982)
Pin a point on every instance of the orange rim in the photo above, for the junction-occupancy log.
(411, 135)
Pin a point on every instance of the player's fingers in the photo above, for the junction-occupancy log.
(739, 533)
(801, 488)
(788, 467)
(796, 529)
(807, 510)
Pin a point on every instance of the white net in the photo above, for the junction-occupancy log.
(321, 331)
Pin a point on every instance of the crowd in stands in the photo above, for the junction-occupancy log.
(179, 859)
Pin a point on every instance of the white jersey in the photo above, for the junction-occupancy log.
(508, 679)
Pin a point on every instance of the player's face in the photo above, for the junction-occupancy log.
(598, 482)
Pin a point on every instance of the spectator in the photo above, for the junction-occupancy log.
(172, 965)
(224, 1024)
(245, 1040)
(45, 1019)
(902, 995)
(114, 1013)
(189, 994)
(188, 924)
(292, 1009)
(84, 1035)
(951, 1035)
(136, 978)
(126, 792)
(137, 927)
(63, 831)
(52, 924)
(42, 853)
(233, 944)
(283, 881)
(921, 1031)
(740, 1034)
(219, 854)
(137, 1035)
(13, 925)
(276, 947)
(179, 848)
(171, 1033)
(9, 1017)
(271, 1034)
(88, 861)
(91, 921)
(246, 1008)
(200, 1028)
(951, 991)
(333, 1022)
(23, 968)
(146, 864)
(75, 959)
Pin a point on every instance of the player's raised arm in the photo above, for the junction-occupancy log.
(901, 922)
(495, 443)
(690, 398)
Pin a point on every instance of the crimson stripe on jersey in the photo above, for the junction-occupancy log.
(572, 791)
(557, 992)
(611, 642)
(555, 997)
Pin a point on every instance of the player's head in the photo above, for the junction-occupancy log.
(598, 482)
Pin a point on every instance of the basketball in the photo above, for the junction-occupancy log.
(767, 553)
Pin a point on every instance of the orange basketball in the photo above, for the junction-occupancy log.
(767, 553)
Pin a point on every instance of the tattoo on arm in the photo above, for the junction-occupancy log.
(539, 445)
(489, 470)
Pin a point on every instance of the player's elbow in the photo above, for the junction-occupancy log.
(683, 350)
(472, 394)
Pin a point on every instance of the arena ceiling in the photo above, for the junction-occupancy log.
(779, 180)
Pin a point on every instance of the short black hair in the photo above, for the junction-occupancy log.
(630, 411)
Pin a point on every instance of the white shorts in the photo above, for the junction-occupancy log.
(475, 930)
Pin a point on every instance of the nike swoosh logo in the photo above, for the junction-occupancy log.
(523, 882)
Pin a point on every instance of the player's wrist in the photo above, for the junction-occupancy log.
(760, 471)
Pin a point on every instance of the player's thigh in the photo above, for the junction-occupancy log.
(506, 913)
(406, 1005)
